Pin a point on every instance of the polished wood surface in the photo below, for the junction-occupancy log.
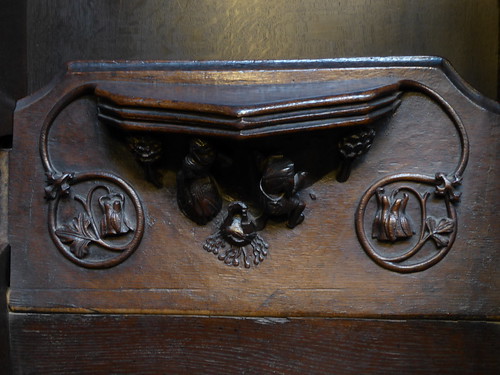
(38, 37)
(463, 31)
(140, 344)
(316, 269)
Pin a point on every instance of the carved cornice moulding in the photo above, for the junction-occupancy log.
(248, 143)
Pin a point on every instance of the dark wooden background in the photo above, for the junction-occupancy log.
(38, 36)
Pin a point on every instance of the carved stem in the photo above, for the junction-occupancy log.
(49, 120)
(345, 170)
(448, 109)
(457, 173)
(125, 250)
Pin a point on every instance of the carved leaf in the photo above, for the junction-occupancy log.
(439, 232)
(446, 225)
(441, 241)
(76, 234)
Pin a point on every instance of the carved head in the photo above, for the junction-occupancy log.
(146, 149)
(278, 176)
(201, 151)
(237, 228)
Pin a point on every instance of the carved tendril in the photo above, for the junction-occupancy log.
(59, 185)
(442, 231)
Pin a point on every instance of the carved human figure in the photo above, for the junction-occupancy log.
(198, 196)
(278, 190)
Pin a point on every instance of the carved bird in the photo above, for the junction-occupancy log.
(236, 236)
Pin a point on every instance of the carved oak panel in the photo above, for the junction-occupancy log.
(332, 188)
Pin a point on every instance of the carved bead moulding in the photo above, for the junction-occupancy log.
(96, 219)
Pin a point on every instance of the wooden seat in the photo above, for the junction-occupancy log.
(315, 216)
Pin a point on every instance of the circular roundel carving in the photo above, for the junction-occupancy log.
(398, 241)
(96, 220)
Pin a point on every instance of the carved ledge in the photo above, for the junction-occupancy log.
(245, 111)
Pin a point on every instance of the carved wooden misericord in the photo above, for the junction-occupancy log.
(251, 162)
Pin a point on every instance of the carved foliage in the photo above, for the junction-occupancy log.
(77, 235)
(440, 231)
(351, 147)
(391, 222)
(58, 184)
(83, 229)
(97, 231)
(237, 239)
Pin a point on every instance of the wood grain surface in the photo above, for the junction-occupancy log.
(316, 269)
(4, 310)
(463, 31)
(139, 344)
(38, 37)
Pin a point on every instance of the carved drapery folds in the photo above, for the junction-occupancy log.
(260, 179)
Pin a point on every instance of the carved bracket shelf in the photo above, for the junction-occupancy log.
(345, 114)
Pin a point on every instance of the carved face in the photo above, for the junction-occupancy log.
(202, 151)
(146, 149)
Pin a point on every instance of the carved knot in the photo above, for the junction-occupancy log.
(58, 184)
(446, 186)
